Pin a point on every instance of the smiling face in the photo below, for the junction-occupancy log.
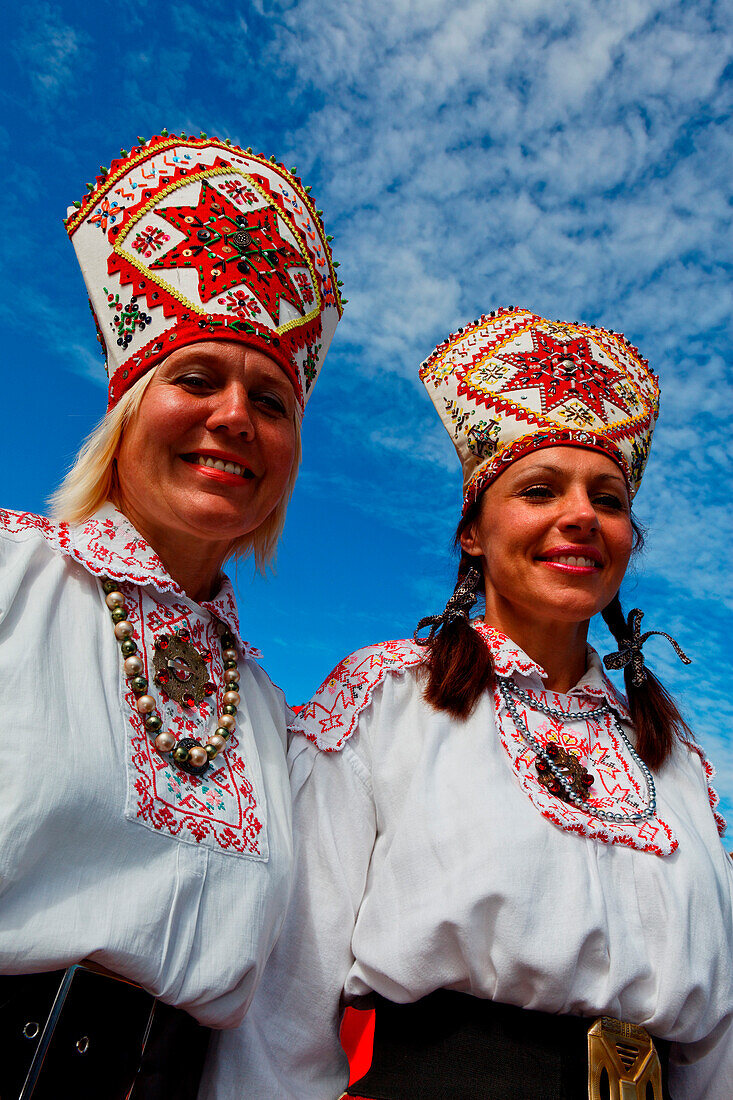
(208, 456)
(554, 532)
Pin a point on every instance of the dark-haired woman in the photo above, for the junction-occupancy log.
(518, 867)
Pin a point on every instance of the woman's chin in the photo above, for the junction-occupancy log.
(219, 521)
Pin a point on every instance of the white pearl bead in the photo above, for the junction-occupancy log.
(197, 756)
(114, 599)
(217, 741)
(231, 698)
(123, 630)
(165, 741)
(230, 654)
(145, 704)
(227, 721)
(133, 666)
(231, 676)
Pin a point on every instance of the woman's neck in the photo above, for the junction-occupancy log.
(558, 647)
(193, 563)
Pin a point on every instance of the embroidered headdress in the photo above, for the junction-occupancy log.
(187, 239)
(512, 382)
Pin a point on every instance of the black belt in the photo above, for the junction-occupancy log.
(452, 1046)
(91, 1036)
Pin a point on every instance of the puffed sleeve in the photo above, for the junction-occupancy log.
(710, 1077)
(288, 1045)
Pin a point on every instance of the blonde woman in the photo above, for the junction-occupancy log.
(145, 833)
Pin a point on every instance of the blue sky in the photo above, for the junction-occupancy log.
(571, 158)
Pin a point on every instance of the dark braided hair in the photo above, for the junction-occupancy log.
(657, 721)
(459, 666)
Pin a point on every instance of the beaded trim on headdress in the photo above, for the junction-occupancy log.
(185, 239)
(512, 382)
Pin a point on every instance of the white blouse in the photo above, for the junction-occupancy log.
(107, 850)
(428, 855)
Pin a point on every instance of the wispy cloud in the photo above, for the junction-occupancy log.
(48, 48)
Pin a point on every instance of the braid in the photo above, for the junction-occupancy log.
(657, 721)
(459, 664)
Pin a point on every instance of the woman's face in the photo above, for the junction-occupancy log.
(213, 402)
(554, 532)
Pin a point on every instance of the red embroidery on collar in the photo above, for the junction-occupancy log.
(108, 545)
(219, 809)
(713, 797)
(509, 658)
(332, 715)
(600, 749)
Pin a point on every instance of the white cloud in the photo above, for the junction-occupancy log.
(48, 49)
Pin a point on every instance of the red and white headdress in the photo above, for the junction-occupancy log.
(512, 382)
(187, 239)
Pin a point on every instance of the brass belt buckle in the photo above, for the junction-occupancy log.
(626, 1052)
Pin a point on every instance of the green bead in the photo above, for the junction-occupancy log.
(180, 755)
(128, 647)
(231, 664)
(118, 614)
(153, 722)
(139, 685)
(228, 641)
(231, 687)
(223, 732)
(211, 751)
(110, 586)
(229, 709)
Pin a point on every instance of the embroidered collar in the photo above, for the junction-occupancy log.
(509, 659)
(108, 545)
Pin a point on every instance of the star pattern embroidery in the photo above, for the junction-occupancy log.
(229, 247)
(563, 370)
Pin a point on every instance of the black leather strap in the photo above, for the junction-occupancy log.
(109, 1035)
(451, 1046)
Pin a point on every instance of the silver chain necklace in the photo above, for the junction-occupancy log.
(508, 688)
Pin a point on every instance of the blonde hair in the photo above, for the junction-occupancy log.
(92, 480)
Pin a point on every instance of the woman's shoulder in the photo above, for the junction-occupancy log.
(30, 546)
(23, 527)
(332, 715)
(693, 762)
(27, 540)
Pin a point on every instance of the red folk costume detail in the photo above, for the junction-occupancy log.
(187, 239)
(561, 371)
(512, 382)
(223, 243)
(221, 806)
(219, 809)
(331, 717)
(110, 547)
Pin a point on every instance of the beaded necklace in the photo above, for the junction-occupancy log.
(508, 687)
(186, 752)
